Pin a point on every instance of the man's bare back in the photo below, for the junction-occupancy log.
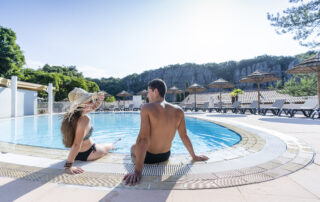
(164, 121)
(159, 122)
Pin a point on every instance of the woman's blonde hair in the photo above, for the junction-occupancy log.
(69, 126)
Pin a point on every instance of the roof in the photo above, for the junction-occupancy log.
(24, 85)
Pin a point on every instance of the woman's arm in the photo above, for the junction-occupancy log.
(98, 103)
(82, 124)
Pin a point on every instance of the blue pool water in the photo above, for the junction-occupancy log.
(44, 131)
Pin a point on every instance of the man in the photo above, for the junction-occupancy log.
(159, 122)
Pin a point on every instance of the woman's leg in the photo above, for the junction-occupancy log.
(101, 150)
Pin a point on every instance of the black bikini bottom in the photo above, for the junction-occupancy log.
(156, 158)
(83, 156)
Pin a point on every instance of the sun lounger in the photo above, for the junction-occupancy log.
(253, 108)
(204, 107)
(234, 108)
(275, 108)
(120, 108)
(111, 108)
(217, 107)
(307, 108)
(315, 112)
(129, 108)
(190, 107)
(182, 105)
(137, 108)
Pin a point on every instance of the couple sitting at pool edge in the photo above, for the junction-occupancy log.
(159, 122)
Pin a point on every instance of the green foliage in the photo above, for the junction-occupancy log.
(179, 97)
(186, 86)
(301, 85)
(306, 55)
(64, 79)
(110, 99)
(302, 20)
(236, 92)
(110, 85)
(278, 86)
(67, 71)
(63, 84)
(11, 57)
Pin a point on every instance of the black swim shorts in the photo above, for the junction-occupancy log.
(156, 158)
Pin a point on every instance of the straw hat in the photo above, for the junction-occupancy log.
(78, 97)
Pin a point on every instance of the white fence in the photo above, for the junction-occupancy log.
(58, 107)
(26, 102)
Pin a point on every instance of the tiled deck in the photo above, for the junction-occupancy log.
(259, 157)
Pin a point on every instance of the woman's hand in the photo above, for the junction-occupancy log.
(74, 170)
(100, 96)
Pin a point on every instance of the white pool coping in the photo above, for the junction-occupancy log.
(279, 155)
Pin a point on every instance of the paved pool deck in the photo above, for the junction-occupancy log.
(301, 185)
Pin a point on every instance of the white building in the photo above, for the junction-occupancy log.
(19, 98)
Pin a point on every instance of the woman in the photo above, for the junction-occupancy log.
(76, 129)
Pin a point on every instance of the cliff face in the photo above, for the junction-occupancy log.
(187, 74)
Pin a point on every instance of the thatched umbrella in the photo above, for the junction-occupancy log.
(195, 88)
(174, 90)
(123, 94)
(143, 93)
(220, 83)
(311, 65)
(105, 95)
(259, 77)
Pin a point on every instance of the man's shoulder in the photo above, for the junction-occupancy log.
(151, 106)
(176, 107)
(146, 106)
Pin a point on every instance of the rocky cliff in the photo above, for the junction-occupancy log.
(187, 74)
(182, 75)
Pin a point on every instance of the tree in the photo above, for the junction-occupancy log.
(301, 85)
(63, 84)
(298, 85)
(302, 20)
(110, 99)
(179, 97)
(234, 94)
(110, 85)
(11, 57)
(65, 70)
(277, 87)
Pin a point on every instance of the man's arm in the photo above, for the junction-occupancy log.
(142, 144)
(186, 141)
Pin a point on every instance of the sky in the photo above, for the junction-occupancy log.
(104, 38)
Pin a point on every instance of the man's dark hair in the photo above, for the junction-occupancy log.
(158, 84)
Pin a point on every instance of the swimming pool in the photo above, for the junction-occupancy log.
(44, 131)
